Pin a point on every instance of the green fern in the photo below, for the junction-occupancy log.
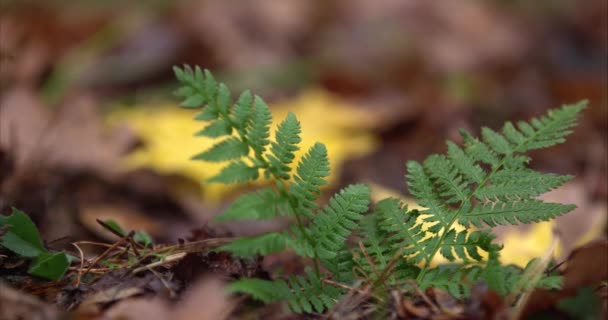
(484, 183)
(302, 293)
(456, 188)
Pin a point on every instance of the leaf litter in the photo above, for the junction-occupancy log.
(430, 94)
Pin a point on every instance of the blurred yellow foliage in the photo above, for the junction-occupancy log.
(167, 134)
(523, 245)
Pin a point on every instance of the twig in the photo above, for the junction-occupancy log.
(163, 281)
(388, 268)
(116, 233)
(134, 247)
(100, 244)
(81, 264)
(343, 286)
(426, 299)
(108, 251)
(171, 258)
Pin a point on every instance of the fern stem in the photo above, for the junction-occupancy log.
(283, 192)
(389, 267)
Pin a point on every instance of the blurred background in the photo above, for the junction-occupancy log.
(89, 128)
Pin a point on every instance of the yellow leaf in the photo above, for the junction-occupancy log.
(521, 246)
(167, 133)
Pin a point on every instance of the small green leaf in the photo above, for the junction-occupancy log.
(243, 109)
(223, 98)
(115, 226)
(50, 266)
(216, 129)
(236, 172)
(250, 246)
(228, 149)
(210, 84)
(260, 205)
(259, 132)
(143, 238)
(193, 101)
(207, 114)
(179, 74)
(184, 92)
(22, 237)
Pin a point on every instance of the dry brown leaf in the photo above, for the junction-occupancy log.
(250, 33)
(586, 266)
(16, 305)
(118, 292)
(447, 36)
(206, 300)
(139, 308)
(72, 139)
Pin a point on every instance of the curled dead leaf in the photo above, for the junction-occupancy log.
(586, 266)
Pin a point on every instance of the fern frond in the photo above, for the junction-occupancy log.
(478, 150)
(302, 293)
(229, 149)
(336, 221)
(465, 164)
(311, 173)
(506, 191)
(451, 186)
(341, 265)
(223, 101)
(259, 132)
(287, 138)
(263, 245)
(215, 129)
(392, 238)
(210, 84)
(377, 255)
(545, 131)
(519, 184)
(404, 232)
(421, 187)
(464, 244)
(496, 141)
(447, 277)
(486, 182)
(513, 212)
(263, 204)
(242, 112)
(193, 101)
(236, 172)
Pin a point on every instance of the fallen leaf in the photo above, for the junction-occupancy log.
(204, 301)
(139, 308)
(118, 292)
(72, 138)
(16, 305)
(167, 135)
(524, 244)
(226, 28)
(585, 266)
